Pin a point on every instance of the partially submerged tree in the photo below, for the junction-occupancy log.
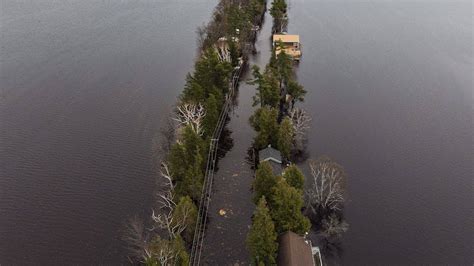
(191, 115)
(300, 122)
(264, 181)
(268, 90)
(264, 121)
(172, 217)
(212, 115)
(296, 91)
(135, 238)
(186, 163)
(333, 227)
(285, 137)
(211, 76)
(294, 177)
(286, 204)
(166, 252)
(326, 192)
(261, 239)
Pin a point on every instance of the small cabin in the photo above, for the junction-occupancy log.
(291, 45)
(294, 249)
(273, 156)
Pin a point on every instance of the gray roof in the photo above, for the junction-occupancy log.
(277, 168)
(269, 153)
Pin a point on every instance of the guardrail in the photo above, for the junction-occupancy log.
(198, 239)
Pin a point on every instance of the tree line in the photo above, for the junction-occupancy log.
(288, 202)
(187, 138)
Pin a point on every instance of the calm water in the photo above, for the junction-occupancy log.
(390, 93)
(86, 84)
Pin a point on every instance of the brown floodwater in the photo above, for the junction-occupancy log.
(85, 86)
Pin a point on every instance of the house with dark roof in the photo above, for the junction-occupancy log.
(295, 250)
(272, 156)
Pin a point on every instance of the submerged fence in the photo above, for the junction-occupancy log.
(198, 239)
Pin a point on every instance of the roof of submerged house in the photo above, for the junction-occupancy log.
(286, 38)
(270, 154)
(294, 250)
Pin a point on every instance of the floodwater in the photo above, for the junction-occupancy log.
(85, 85)
(225, 237)
(390, 92)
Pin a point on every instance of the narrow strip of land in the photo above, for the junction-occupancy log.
(231, 207)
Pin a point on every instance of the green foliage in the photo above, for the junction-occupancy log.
(286, 204)
(296, 91)
(264, 121)
(268, 91)
(264, 181)
(255, 9)
(174, 246)
(261, 240)
(285, 137)
(294, 177)
(184, 205)
(234, 52)
(213, 109)
(187, 159)
(237, 18)
(278, 9)
(282, 65)
(211, 76)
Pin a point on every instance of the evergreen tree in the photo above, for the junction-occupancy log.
(285, 137)
(234, 52)
(283, 66)
(173, 251)
(294, 177)
(187, 162)
(211, 76)
(264, 121)
(261, 240)
(286, 204)
(264, 181)
(268, 92)
(184, 205)
(278, 9)
(296, 91)
(212, 115)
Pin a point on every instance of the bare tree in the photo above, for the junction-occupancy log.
(300, 121)
(333, 227)
(167, 218)
(135, 237)
(326, 192)
(163, 252)
(191, 115)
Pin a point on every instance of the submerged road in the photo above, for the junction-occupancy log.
(224, 243)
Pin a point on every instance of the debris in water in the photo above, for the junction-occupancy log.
(222, 212)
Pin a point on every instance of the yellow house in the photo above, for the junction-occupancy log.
(291, 45)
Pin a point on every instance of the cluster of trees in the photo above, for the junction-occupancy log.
(283, 201)
(280, 17)
(278, 122)
(233, 19)
(279, 202)
(187, 139)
